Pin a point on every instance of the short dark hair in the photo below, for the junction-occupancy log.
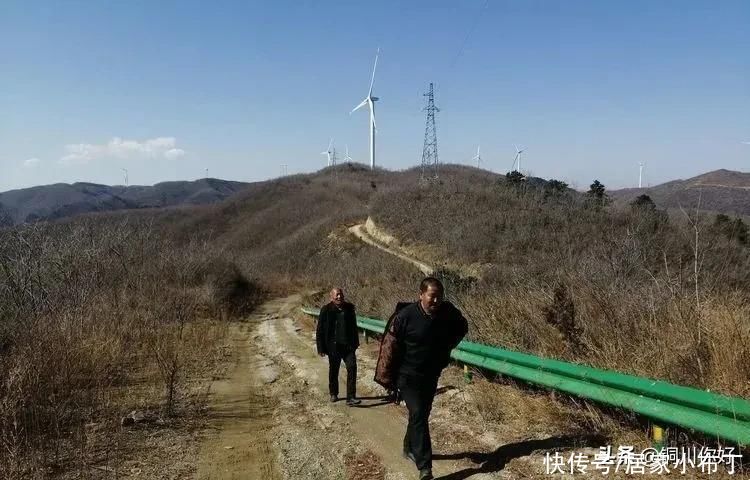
(430, 282)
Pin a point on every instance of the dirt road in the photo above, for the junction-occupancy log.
(272, 418)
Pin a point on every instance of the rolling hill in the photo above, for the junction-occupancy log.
(61, 200)
(723, 191)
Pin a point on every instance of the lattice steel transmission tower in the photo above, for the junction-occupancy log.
(334, 162)
(334, 157)
(430, 152)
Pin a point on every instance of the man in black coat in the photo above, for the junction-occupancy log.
(336, 335)
(414, 351)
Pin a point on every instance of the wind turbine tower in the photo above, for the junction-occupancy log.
(517, 160)
(347, 158)
(328, 151)
(126, 175)
(369, 101)
(429, 151)
(640, 174)
(477, 157)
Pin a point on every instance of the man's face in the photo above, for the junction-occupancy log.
(431, 299)
(337, 296)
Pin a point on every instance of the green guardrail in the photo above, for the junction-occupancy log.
(698, 420)
(706, 412)
(730, 407)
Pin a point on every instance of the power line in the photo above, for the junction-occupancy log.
(468, 34)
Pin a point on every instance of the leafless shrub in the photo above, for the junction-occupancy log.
(89, 310)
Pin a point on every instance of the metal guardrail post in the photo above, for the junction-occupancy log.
(657, 437)
(467, 374)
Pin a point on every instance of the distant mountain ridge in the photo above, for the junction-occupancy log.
(723, 191)
(61, 200)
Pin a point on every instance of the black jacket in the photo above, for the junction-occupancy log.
(415, 345)
(325, 333)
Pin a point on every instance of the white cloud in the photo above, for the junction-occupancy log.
(160, 147)
(31, 162)
(173, 153)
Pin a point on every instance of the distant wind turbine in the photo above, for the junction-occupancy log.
(477, 157)
(347, 158)
(126, 175)
(369, 101)
(640, 174)
(328, 151)
(517, 160)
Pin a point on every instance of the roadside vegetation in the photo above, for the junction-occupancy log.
(110, 316)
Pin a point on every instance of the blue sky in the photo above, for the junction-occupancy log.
(167, 89)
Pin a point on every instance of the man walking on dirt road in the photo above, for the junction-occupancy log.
(414, 351)
(336, 336)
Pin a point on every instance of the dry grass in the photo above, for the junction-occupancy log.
(363, 466)
(110, 313)
(629, 277)
(97, 319)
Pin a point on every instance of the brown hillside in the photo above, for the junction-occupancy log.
(721, 191)
(124, 302)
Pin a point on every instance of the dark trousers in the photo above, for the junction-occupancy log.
(334, 363)
(418, 395)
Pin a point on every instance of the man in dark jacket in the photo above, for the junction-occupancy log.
(415, 349)
(336, 336)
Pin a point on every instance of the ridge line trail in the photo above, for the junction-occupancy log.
(271, 416)
(360, 231)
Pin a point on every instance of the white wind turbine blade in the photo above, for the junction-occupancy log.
(372, 80)
(746, 143)
(364, 102)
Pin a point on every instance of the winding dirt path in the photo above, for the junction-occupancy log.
(360, 231)
(272, 419)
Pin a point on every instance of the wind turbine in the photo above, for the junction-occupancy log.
(640, 174)
(517, 159)
(347, 158)
(477, 157)
(370, 102)
(126, 175)
(328, 151)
